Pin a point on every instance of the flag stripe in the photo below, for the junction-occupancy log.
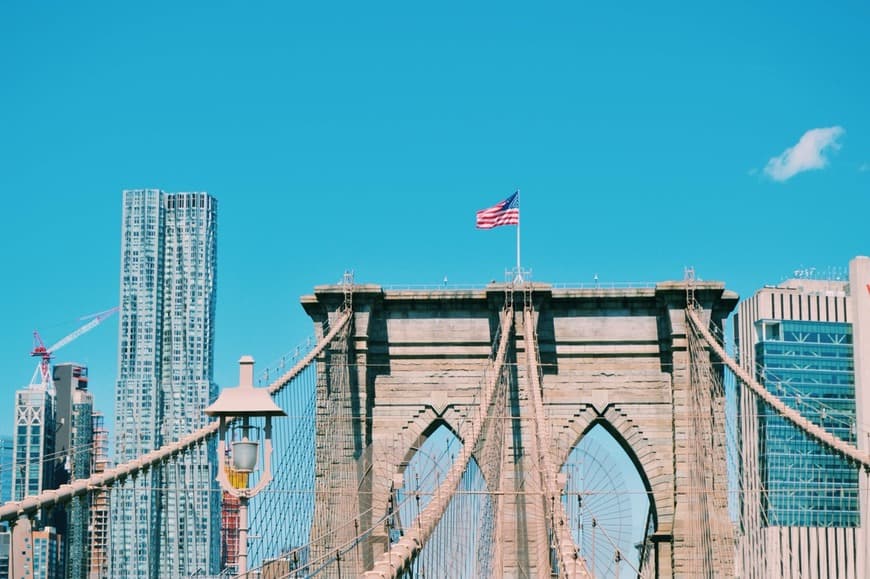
(490, 220)
(505, 213)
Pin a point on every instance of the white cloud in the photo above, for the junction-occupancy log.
(809, 153)
(864, 167)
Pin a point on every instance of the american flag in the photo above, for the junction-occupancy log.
(505, 213)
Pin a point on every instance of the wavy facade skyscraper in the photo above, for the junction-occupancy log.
(165, 380)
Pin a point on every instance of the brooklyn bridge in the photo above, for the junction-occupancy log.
(457, 432)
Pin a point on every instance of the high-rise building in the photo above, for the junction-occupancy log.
(5, 468)
(802, 340)
(74, 451)
(165, 381)
(99, 530)
(47, 554)
(34, 469)
(5, 495)
(33, 442)
(73, 410)
(5, 545)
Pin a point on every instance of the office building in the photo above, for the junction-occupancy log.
(5, 545)
(99, 530)
(51, 424)
(47, 550)
(33, 442)
(74, 442)
(5, 495)
(5, 468)
(802, 340)
(166, 336)
(74, 408)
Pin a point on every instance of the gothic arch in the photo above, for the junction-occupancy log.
(653, 471)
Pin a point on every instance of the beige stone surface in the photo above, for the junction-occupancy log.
(618, 357)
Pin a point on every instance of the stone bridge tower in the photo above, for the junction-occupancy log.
(615, 357)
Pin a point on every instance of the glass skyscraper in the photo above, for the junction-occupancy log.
(5, 468)
(810, 367)
(5, 495)
(166, 523)
(33, 442)
(801, 503)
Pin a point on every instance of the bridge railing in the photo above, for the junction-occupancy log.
(561, 285)
(589, 285)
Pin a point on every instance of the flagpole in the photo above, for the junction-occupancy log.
(519, 271)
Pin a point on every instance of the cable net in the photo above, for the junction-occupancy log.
(796, 480)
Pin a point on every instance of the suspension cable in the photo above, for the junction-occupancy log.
(30, 505)
(793, 416)
(390, 563)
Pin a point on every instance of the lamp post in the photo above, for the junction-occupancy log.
(244, 402)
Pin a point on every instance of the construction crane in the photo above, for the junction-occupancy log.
(45, 354)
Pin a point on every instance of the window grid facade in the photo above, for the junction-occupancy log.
(74, 406)
(47, 554)
(79, 510)
(99, 514)
(33, 441)
(5, 468)
(168, 277)
(801, 513)
(809, 366)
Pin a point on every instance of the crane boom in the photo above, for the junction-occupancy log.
(39, 349)
(83, 330)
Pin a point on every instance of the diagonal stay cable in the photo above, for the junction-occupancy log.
(393, 561)
(791, 415)
(570, 564)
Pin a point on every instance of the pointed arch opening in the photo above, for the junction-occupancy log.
(462, 544)
(607, 501)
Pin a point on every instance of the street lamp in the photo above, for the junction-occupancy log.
(244, 402)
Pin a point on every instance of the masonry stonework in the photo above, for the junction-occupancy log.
(413, 360)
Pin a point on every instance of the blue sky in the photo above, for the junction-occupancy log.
(645, 137)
